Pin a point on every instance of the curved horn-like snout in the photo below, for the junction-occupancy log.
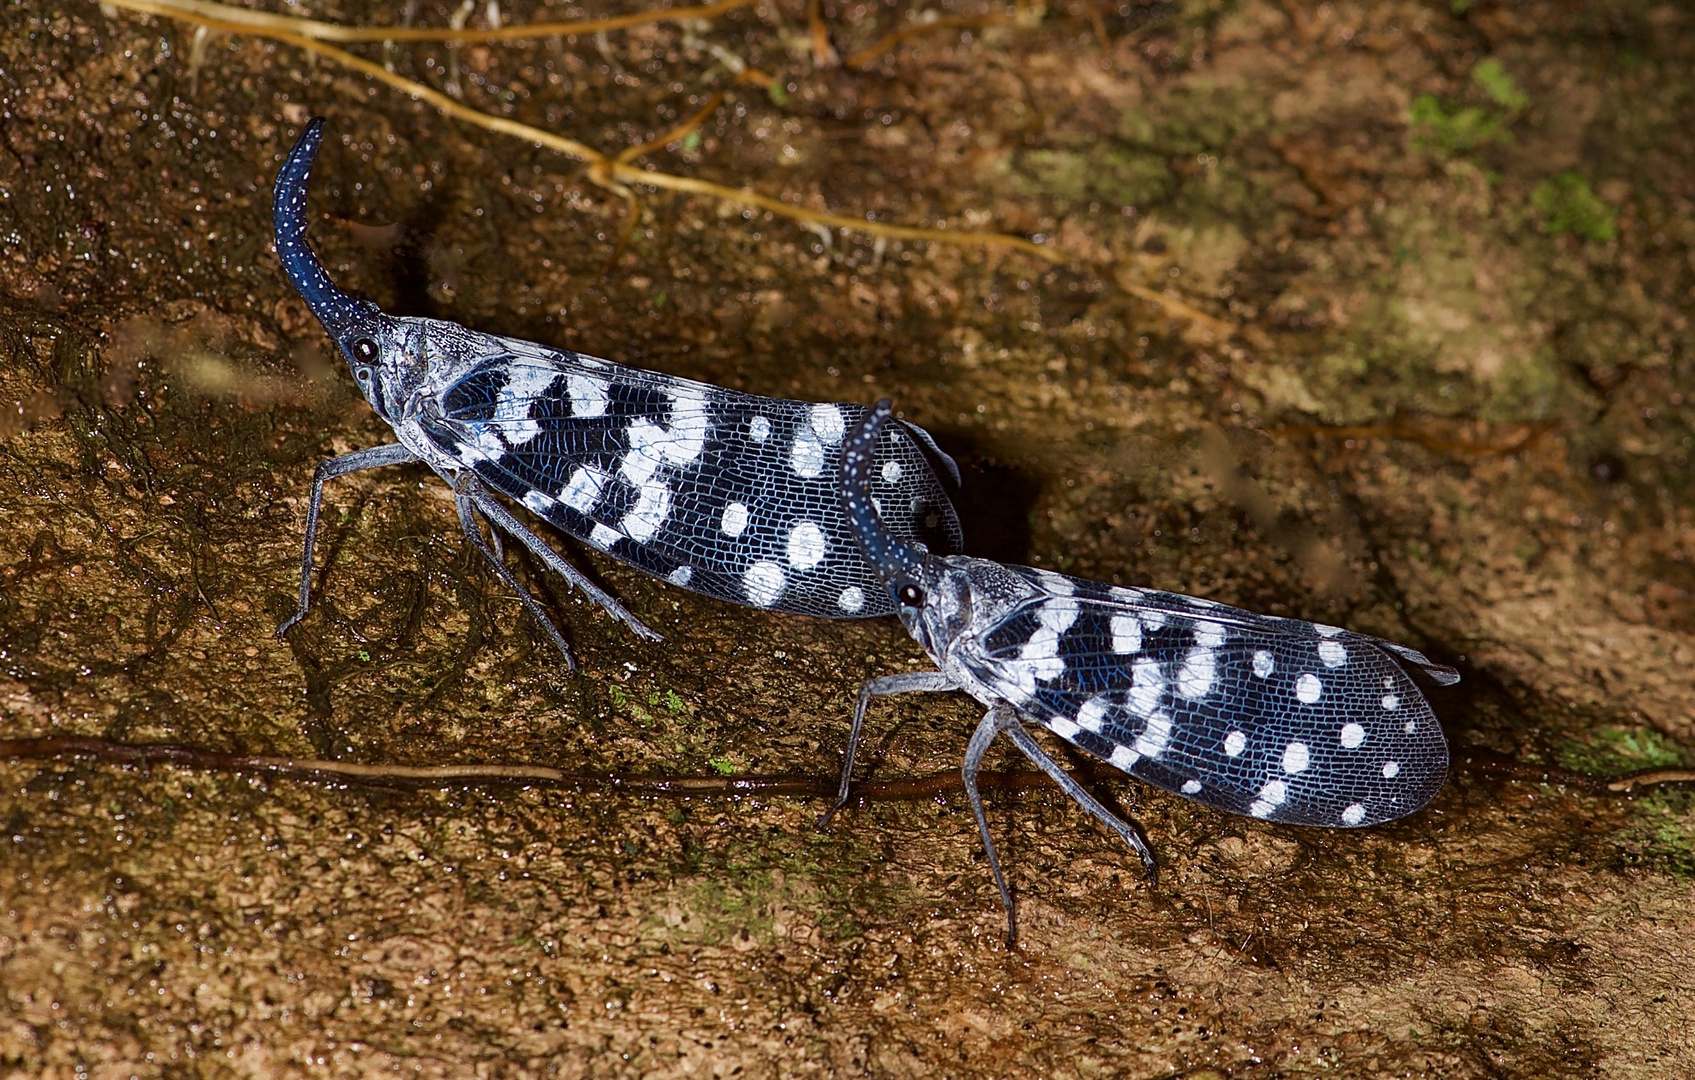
(334, 308)
(888, 554)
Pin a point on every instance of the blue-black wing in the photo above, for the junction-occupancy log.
(725, 493)
(1280, 719)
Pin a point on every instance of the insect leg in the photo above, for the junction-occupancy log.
(468, 510)
(911, 682)
(1004, 718)
(374, 458)
(501, 518)
(987, 729)
(1126, 831)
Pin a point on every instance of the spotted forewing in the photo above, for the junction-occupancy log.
(1282, 719)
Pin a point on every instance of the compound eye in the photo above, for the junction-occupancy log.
(910, 596)
(365, 349)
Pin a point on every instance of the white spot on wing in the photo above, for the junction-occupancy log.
(1147, 686)
(763, 583)
(1352, 735)
(1391, 769)
(806, 546)
(582, 491)
(892, 471)
(1191, 787)
(652, 506)
(1039, 655)
(588, 395)
(523, 385)
(1209, 635)
(1126, 635)
(734, 519)
(1264, 663)
(1235, 743)
(1354, 814)
(681, 575)
(539, 501)
(1296, 757)
(1271, 796)
(1194, 679)
(519, 432)
(646, 452)
(1153, 620)
(1333, 653)
(759, 429)
(689, 426)
(1326, 630)
(1053, 619)
(1154, 737)
(1062, 727)
(1391, 702)
(827, 422)
(469, 452)
(806, 456)
(487, 446)
(1092, 713)
(852, 599)
(1308, 688)
(1124, 757)
(602, 537)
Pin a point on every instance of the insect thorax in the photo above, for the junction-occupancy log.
(964, 596)
(421, 360)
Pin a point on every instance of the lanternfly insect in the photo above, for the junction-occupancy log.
(1284, 720)
(725, 493)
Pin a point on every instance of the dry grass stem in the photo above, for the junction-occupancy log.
(946, 22)
(265, 23)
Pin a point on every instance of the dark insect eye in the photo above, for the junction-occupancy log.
(363, 374)
(364, 348)
(910, 596)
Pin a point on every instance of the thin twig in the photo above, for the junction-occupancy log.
(1652, 776)
(1490, 763)
(824, 54)
(601, 172)
(53, 747)
(267, 24)
(676, 134)
(946, 22)
(1178, 309)
(1421, 434)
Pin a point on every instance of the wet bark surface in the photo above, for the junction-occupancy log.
(1449, 250)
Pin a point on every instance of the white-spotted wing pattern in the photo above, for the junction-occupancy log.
(724, 493)
(1279, 719)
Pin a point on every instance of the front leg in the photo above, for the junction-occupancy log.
(912, 682)
(374, 458)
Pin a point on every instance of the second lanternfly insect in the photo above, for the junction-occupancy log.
(1280, 719)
